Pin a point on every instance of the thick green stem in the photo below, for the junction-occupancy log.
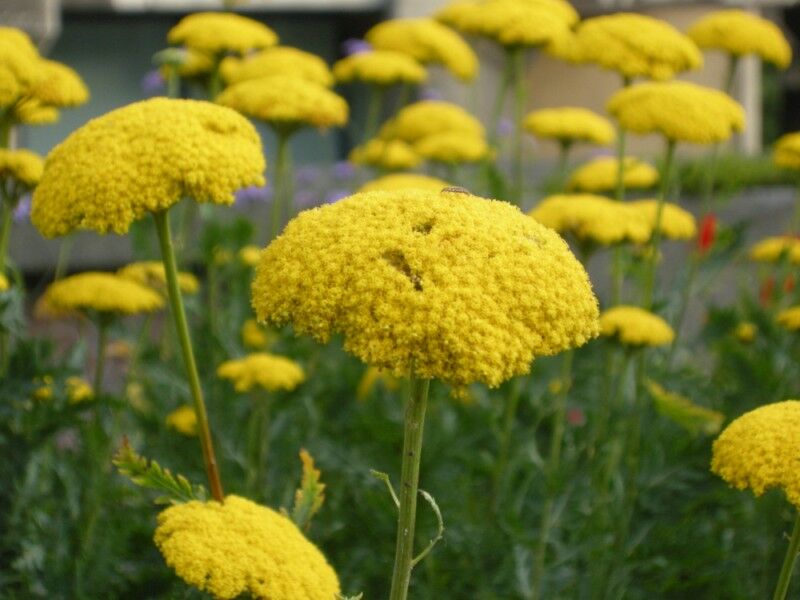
(280, 199)
(518, 58)
(173, 84)
(730, 76)
(100, 359)
(377, 94)
(785, 577)
(179, 316)
(64, 250)
(406, 521)
(214, 80)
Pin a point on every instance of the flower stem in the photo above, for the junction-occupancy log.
(504, 443)
(258, 446)
(563, 162)
(5, 232)
(282, 189)
(785, 577)
(179, 316)
(64, 250)
(518, 58)
(100, 361)
(406, 521)
(376, 97)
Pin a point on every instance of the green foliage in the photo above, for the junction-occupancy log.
(310, 496)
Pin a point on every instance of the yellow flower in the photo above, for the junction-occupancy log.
(746, 332)
(30, 111)
(634, 326)
(183, 420)
(144, 158)
(19, 64)
(221, 256)
(23, 166)
(102, 292)
(261, 370)
(371, 377)
(379, 67)
(78, 390)
(676, 223)
(286, 101)
(151, 274)
(249, 255)
(678, 110)
(759, 450)
(118, 349)
(570, 125)
(774, 249)
(636, 45)
(280, 60)
(429, 117)
(428, 42)
(592, 218)
(4, 284)
(452, 147)
(387, 154)
(194, 64)
(241, 548)
(740, 33)
(600, 175)
(254, 336)
(402, 181)
(453, 286)
(790, 318)
(44, 388)
(216, 33)
(787, 151)
(58, 85)
(694, 418)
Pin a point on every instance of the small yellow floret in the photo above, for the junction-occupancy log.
(151, 273)
(774, 249)
(787, 151)
(387, 154)
(280, 60)
(694, 418)
(217, 32)
(379, 67)
(241, 548)
(249, 255)
(59, 86)
(429, 117)
(746, 332)
(4, 284)
(570, 124)
(261, 370)
(634, 326)
(78, 390)
(676, 223)
(20, 65)
(23, 166)
(402, 181)
(790, 318)
(600, 175)
(183, 420)
(101, 292)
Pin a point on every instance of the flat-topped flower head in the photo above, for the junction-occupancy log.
(144, 158)
(58, 86)
(759, 450)
(600, 175)
(427, 41)
(428, 117)
(445, 285)
(679, 110)
(789, 318)
(280, 60)
(285, 101)
(238, 547)
(676, 223)
(103, 293)
(452, 147)
(379, 67)
(20, 65)
(787, 151)
(20, 166)
(740, 33)
(636, 45)
(776, 249)
(404, 181)
(634, 326)
(269, 372)
(152, 274)
(570, 124)
(390, 154)
(218, 32)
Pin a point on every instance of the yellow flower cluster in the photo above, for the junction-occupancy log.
(600, 175)
(183, 420)
(740, 33)
(144, 158)
(452, 147)
(391, 154)
(216, 33)
(22, 166)
(447, 285)
(790, 318)
(4, 284)
(249, 254)
(402, 181)
(634, 326)
(678, 110)
(78, 390)
(254, 336)
(570, 124)
(58, 85)
(379, 67)
(759, 450)
(694, 418)
(261, 370)
(787, 151)
(429, 117)
(280, 60)
(427, 41)
(636, 45)
(239, 547)
(151, 274)
(286, 101)
(101, 292)
(745, 332)
(774, 249)
(19, 62)
(676, 223)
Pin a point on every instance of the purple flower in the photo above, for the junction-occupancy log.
(344, 169)
(505, 127)
(153, 83)
(429, 93)
(23, 210)
(306, 176)
(355, 46)
(336, 195)
(254, 194)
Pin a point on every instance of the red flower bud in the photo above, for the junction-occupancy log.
(788, 283)
(767, 288)
(708, 231)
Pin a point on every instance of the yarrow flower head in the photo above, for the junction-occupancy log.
(239, 547)
(387, 154)
(21, 166)
(403, 181)
(151, 273)
(144, 158)
(101, 292)
(216, 33)
(269, 372)
(570, 124)
(600, 175)
(759, 450)
(280, 60)
(739, 33)
(787, 151)
(676, 223)
(775, 249)
(429, 117)
(59, 86)
(452, 147)
(678, 110)
(424, 282)
(379, 67)
(789, 318)
(634, 326)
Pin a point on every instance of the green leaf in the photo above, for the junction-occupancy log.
(310, 496)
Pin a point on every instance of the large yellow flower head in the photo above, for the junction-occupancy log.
(286, 102)
(600, 175)
(217, 32)
(636, 45)
(452, 147)
(759, 450)
(443, 285)
(678, 110)
(280, 60)
(239, 547)
(152, 274)
(634, 326)
(740, 33)
(790, 318)
(404, 181)
(787, 151)
(775, 249)
(427, 41)
(570, 124)
(22, 166)
(428, 117)
(101, 292)
(379, 67)
(144, 158)
(390, 154)
(261, 370)
(59, 86)
(592, 218)
(20, 65)
(676, 223)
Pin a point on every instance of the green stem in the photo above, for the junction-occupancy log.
(518, 58)
(730, 76)
(258, 447)
(785, 577)
(282, 189)
(500, 101)
(100, 361)
(686, 293)
(64, 250)
(5, 234)
(373, 118)
(179, 315)
(509, 418)
(406, 521)
(214, 80)
(563, 163)
(173, 84)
